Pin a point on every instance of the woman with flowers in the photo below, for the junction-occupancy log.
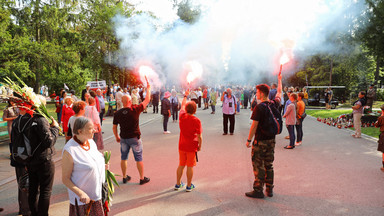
(83, 171)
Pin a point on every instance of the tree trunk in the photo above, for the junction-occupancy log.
(377, 72)
(37, 38)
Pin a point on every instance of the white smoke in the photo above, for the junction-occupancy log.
(235, 40)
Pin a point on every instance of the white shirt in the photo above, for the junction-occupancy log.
(88, 172)
(119, 95)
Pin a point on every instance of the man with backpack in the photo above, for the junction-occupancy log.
(32, 131)
(266, 125)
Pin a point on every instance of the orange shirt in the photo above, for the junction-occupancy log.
(301, 107)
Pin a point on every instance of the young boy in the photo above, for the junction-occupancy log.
(189, 142)
(380, 124)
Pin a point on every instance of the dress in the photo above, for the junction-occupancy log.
(67, 112)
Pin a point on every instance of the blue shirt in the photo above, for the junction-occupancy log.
(101, 102)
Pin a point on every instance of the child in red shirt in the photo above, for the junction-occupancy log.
(189, 143)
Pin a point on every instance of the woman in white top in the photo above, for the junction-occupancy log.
(83, 171)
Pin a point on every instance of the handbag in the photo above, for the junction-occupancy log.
(303, 116)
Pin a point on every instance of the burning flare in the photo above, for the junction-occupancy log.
(284, 59)
(195, 70)
(146, 72)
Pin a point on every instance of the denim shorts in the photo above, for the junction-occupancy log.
(135, 144)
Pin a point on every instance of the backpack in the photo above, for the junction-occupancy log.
(22, 150)
(272, 124)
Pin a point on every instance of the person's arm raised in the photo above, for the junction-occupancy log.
(184, 100)
(279, 85)
(148, 96)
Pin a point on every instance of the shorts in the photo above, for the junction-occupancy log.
(206, 100)
(187, 158)
(135, 144)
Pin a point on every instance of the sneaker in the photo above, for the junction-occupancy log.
(289, 147)
(297, 143)
(255, 194)
(178, 187)
(167, 132)
(189, 189)
(126, 179)
(144, 181)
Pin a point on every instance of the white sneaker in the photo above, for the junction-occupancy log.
(167, 132)
(297, 143)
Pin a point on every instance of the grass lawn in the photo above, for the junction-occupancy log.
(370, 131)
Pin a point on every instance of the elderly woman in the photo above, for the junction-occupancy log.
(83, 171)
(66, 113)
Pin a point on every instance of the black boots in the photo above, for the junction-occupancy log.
(255, 194)
(269, 191)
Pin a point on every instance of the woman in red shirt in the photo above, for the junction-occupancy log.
(67, 112)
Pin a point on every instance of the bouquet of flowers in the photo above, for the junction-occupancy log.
(110, 180)
(26, 99)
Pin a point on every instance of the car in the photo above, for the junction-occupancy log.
(321, 102)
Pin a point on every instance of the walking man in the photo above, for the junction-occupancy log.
(263, 146)
(128, 119)
(357, 113)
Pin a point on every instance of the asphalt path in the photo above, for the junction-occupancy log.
(330, 174)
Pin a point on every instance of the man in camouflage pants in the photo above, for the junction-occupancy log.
(263, 147)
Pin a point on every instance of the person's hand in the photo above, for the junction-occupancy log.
(199, 148)
(84, 198)
(54, 123)
(107, 166)
(118, 139)
(248, 144)
(186, 92)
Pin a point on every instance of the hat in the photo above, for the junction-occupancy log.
(167, 94)
(88, 85)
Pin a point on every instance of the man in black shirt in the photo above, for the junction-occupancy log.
(263, 146)
(128, 119)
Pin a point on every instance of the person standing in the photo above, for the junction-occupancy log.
(59, 103)
(130, 135)
(290, 120)
(79, 109)
(213, 99)
(305, 98)
(93, 114)
(380, 124)
(11, 112)
(205, 98)
(238, 97)
(166, 111)
(135, 97)
(66, 114)
(174, 105)
(199, 95)
(195, 96)
(300, 119)
(371, 94)
(119, 95)
(229, 111)
(83, 171)
(263, 146)
(246, 97)
(189, 142)
(86, 90)
(155, 101)
(357, 113)
(41, 168)
(101, 105)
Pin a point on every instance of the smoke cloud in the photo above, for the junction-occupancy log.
(235, 41)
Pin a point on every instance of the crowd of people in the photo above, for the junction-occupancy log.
(83, 170)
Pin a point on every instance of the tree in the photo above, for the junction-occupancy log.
(187, 12)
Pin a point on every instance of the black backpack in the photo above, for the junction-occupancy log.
(22, 150)
(272, 124)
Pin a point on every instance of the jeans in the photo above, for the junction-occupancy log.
(299, 131)
(175, 112)
(238, 106)
(22, 195)
(231, 119)
(165, 122)
(101, 115)
(155, 108)
(40, 187)
(291, 131)
(213, 108)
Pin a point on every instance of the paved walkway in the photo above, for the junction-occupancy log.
(330, 174)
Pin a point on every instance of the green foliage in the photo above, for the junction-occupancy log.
(187, 12)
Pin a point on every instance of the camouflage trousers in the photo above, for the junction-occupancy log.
(263, 154)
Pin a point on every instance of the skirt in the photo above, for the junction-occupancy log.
(380, 147)
(98, 138)
(96, 209)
